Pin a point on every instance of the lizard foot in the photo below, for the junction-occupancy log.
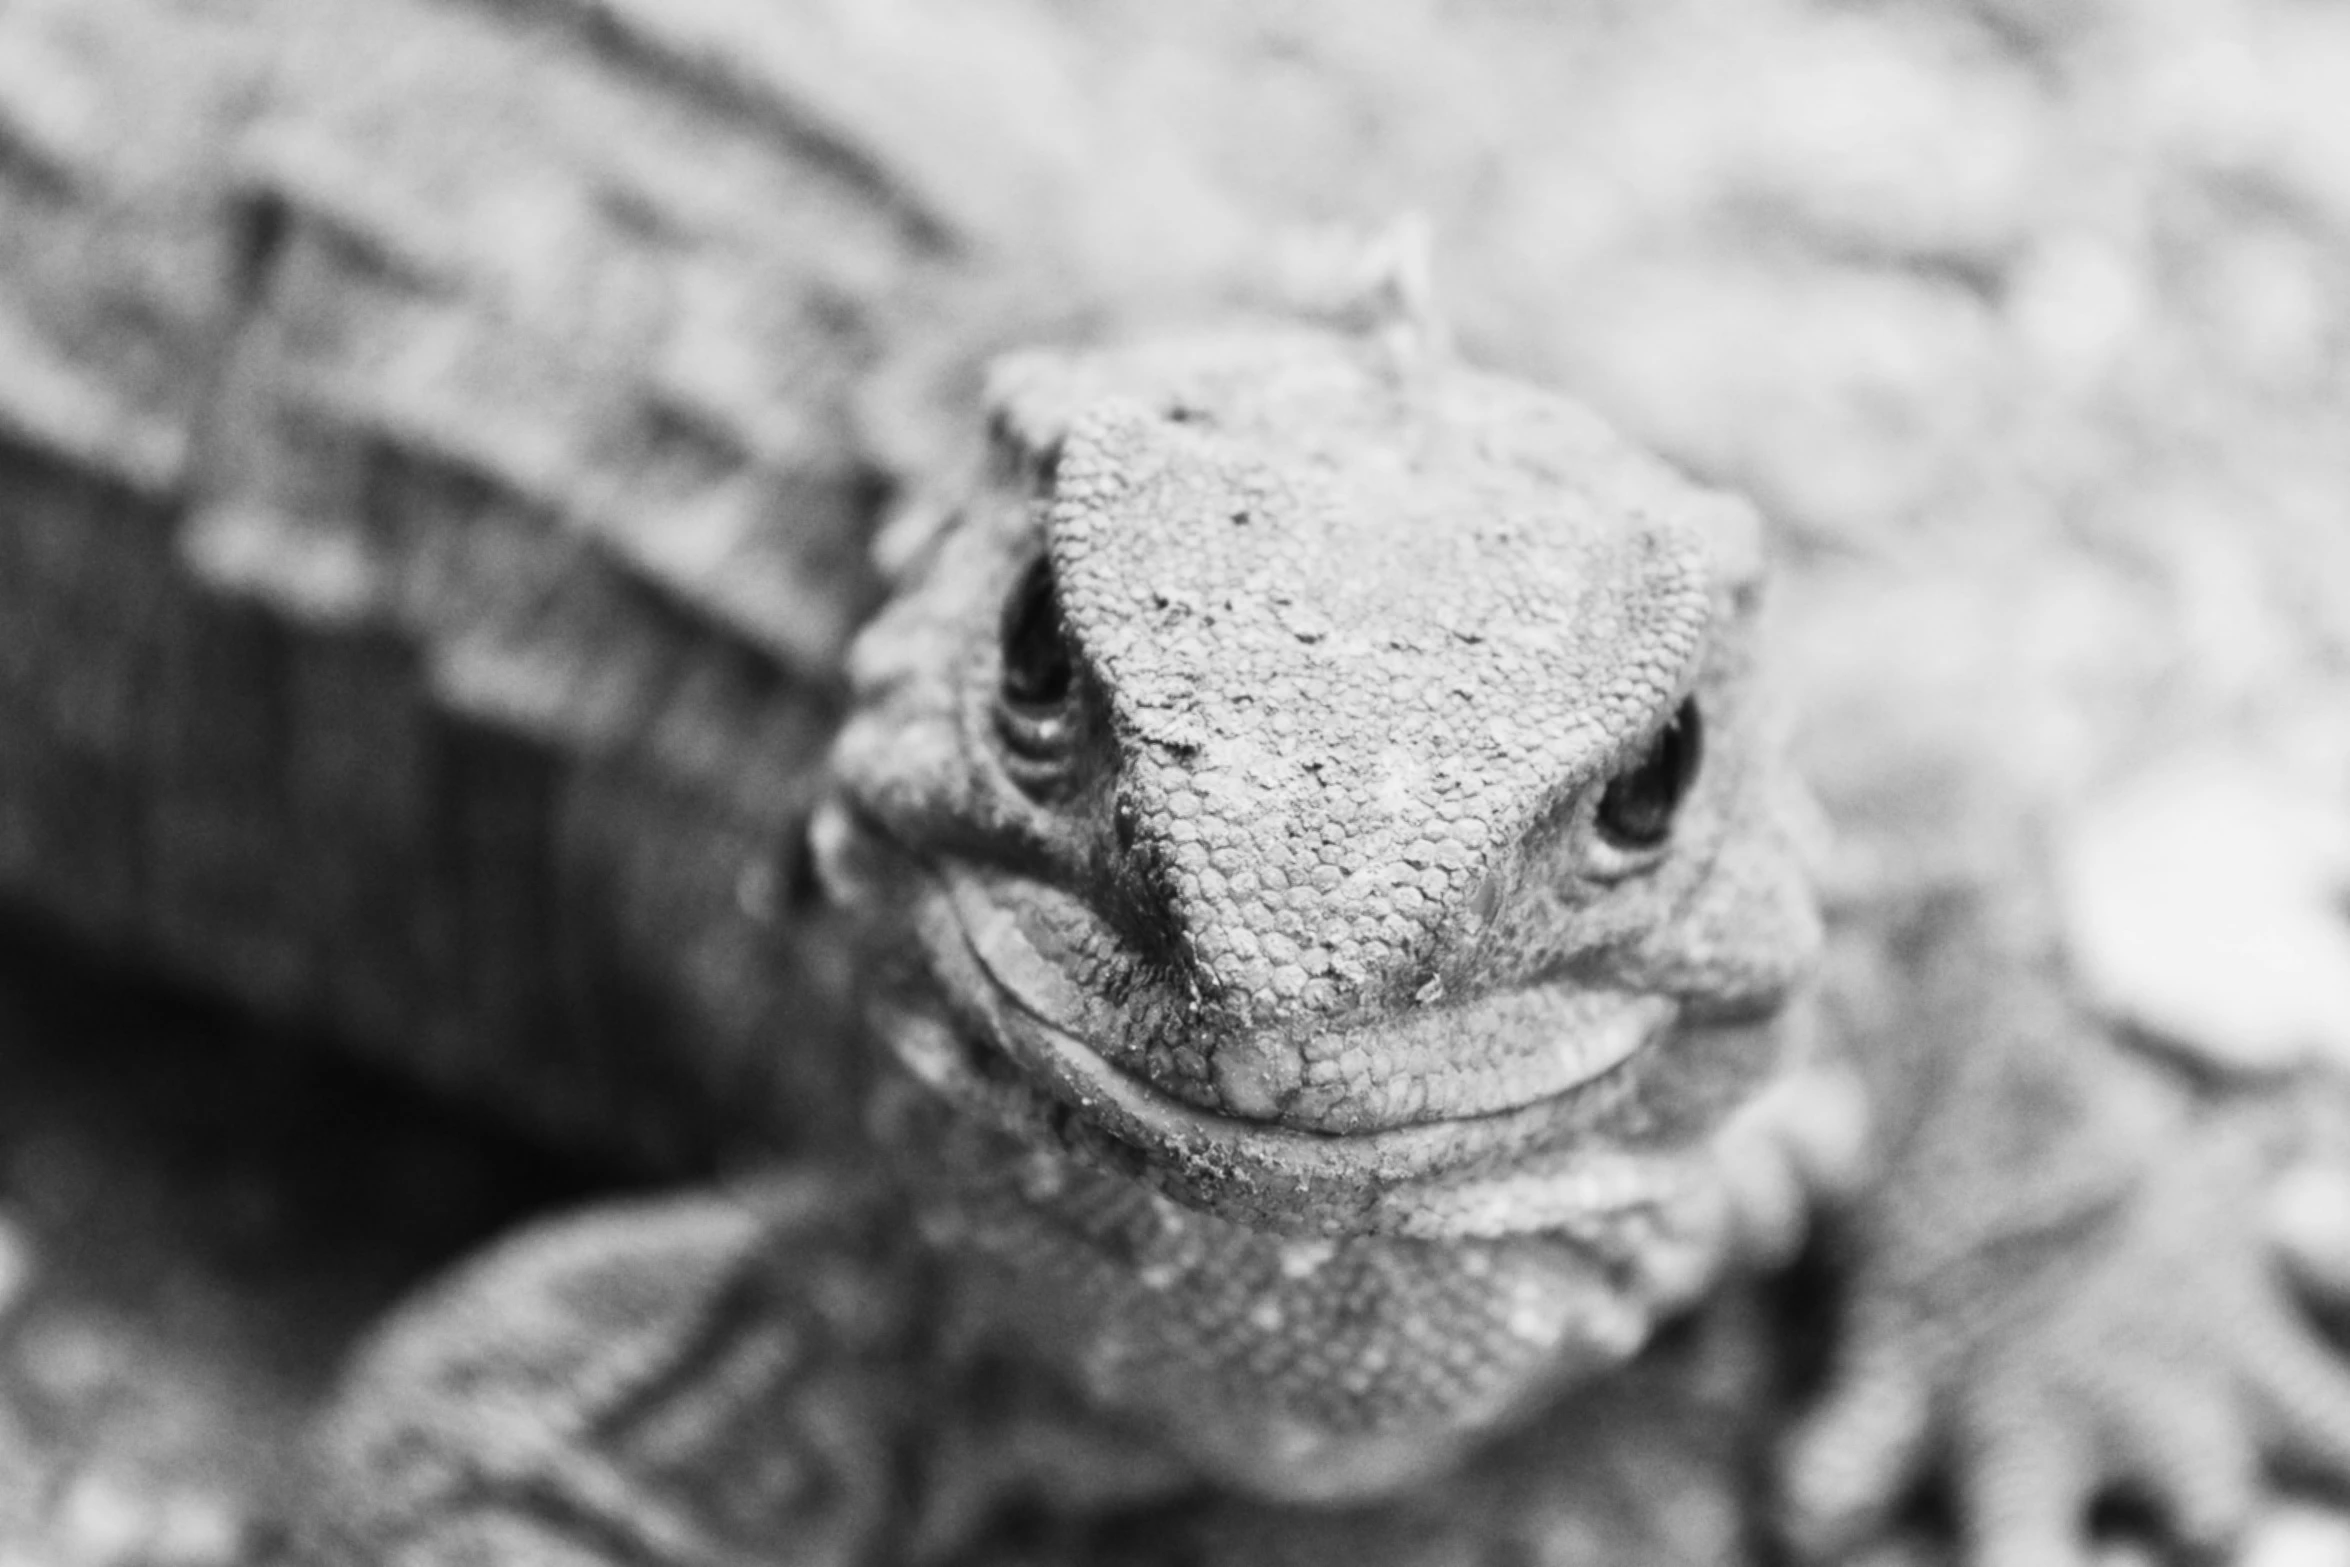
(2161, 1358)
(687, 1381)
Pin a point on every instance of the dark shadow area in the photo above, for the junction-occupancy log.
(197, 1217)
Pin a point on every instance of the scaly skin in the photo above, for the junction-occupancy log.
(1329, 889)
(1434, 615)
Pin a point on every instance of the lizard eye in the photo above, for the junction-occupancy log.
(1636, 810)
(1036, 690)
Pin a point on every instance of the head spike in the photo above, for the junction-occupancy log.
(1379, 283)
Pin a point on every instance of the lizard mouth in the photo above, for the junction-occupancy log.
(1564, 1160)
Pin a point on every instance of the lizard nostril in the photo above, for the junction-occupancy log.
(1485, 902)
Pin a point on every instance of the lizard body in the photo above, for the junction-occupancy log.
(1209, 1213)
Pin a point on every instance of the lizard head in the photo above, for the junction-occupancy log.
(1327, 789)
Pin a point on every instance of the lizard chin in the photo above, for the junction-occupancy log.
(1555, 1164)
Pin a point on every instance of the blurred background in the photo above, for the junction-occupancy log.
(2026, 321)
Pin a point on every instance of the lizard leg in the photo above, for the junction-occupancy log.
(689, 1382)
(2157, 1353)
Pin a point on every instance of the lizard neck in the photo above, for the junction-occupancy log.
(1312, 1368)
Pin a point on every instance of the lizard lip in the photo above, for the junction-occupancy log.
(1388, 1178)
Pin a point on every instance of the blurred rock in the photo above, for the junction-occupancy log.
(2299, 1535)
(2205, 904)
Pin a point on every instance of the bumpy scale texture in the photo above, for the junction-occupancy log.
(1370, 629)
(1259, 605)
